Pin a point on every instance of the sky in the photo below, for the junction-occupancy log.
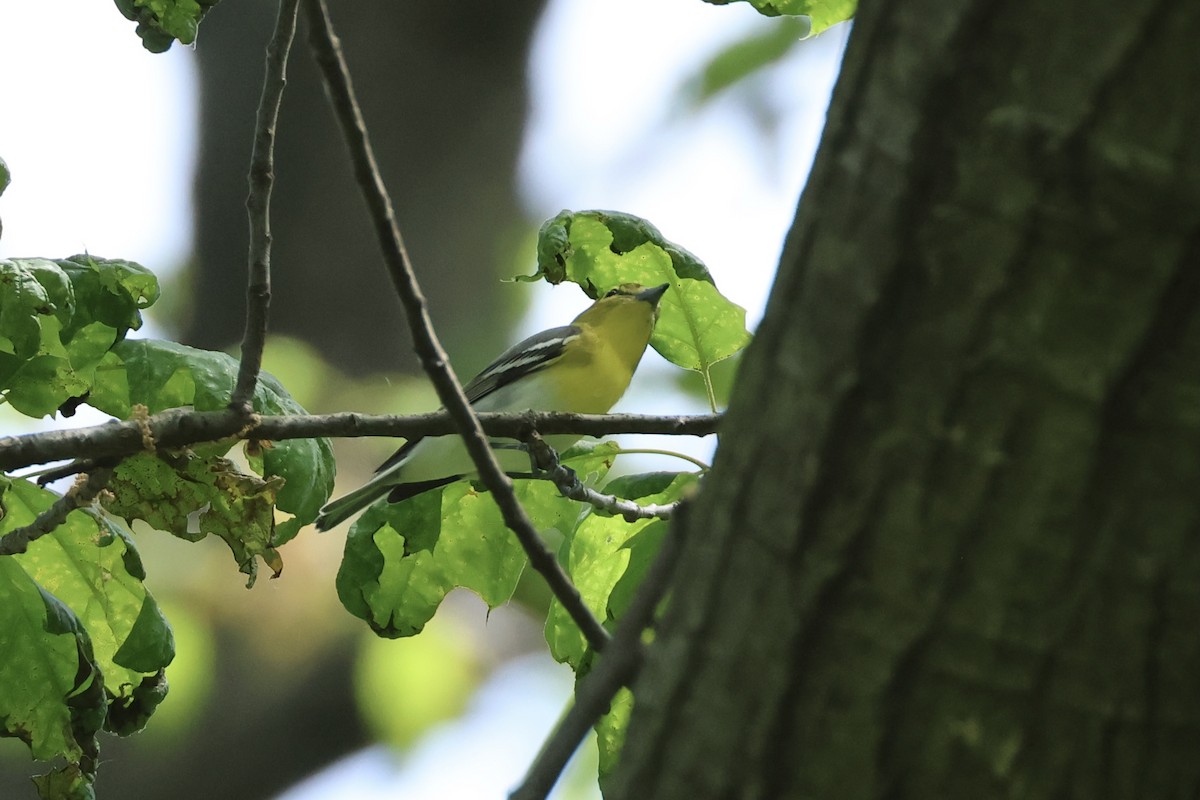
(100, 142)
(99, 136)
(712, 180)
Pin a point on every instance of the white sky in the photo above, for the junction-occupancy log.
(100, 138)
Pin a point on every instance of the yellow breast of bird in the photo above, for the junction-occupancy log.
(589, 379)
(586, 380)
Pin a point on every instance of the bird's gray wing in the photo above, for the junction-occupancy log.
(527, 356)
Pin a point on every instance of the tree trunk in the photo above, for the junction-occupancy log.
(949, 547)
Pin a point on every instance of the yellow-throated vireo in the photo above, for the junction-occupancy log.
(583, 367)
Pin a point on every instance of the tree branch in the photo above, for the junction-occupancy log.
(328, 54)
(83, 492)
(258, 207)
(569, 485)
(617, 667)
(181, 428)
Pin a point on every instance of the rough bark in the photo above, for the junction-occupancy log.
(949, 545)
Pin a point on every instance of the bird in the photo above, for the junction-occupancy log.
(584, 367)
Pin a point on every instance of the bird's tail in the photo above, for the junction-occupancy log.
(336, 512)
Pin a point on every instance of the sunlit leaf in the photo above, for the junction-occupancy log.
(608, 559)
(161, 22)
(84, 642)
(697, 325)
(57, 321)
(599, 557)
(722, 378)
(401, 559)
(643, 546)
(51, 691)
(610, 733)
(745, 57)
(92, 565)
(822, 12)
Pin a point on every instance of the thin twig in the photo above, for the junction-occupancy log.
(258, 207)
(569, 485)
(50, 475)
(433, 358)
(617, 667)
(182, 428)
(82, 493)
(655, 451)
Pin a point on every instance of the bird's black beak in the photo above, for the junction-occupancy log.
(653, 294)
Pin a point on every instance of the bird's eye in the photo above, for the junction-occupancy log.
(613, 292)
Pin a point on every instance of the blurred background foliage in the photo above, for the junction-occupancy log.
(272, 685)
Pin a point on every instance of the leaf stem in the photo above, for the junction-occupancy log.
(651, 451)
(706, 373)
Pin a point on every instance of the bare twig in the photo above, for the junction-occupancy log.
(181, 428)
(258, 207)
(328, 54)
(49, 476)
(569, 485)
(617, 667)
(83, 492)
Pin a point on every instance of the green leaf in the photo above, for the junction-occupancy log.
(57, 321)
(600, 554)
(92, 566)
(160, 375)
(129, 714)
(608, 560)
(47, 664)
(643, 547)
(85, 644)
(722, 378)
(67, 783)
(746, 57)
(591, 460)
(161, 22)
(113, 292)
(53, 694)
(401, 559)
(595, 250)
(5, 176)
(823, 13)
(22, 302)
(193, 496)
(610, 734)
(697, 326)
